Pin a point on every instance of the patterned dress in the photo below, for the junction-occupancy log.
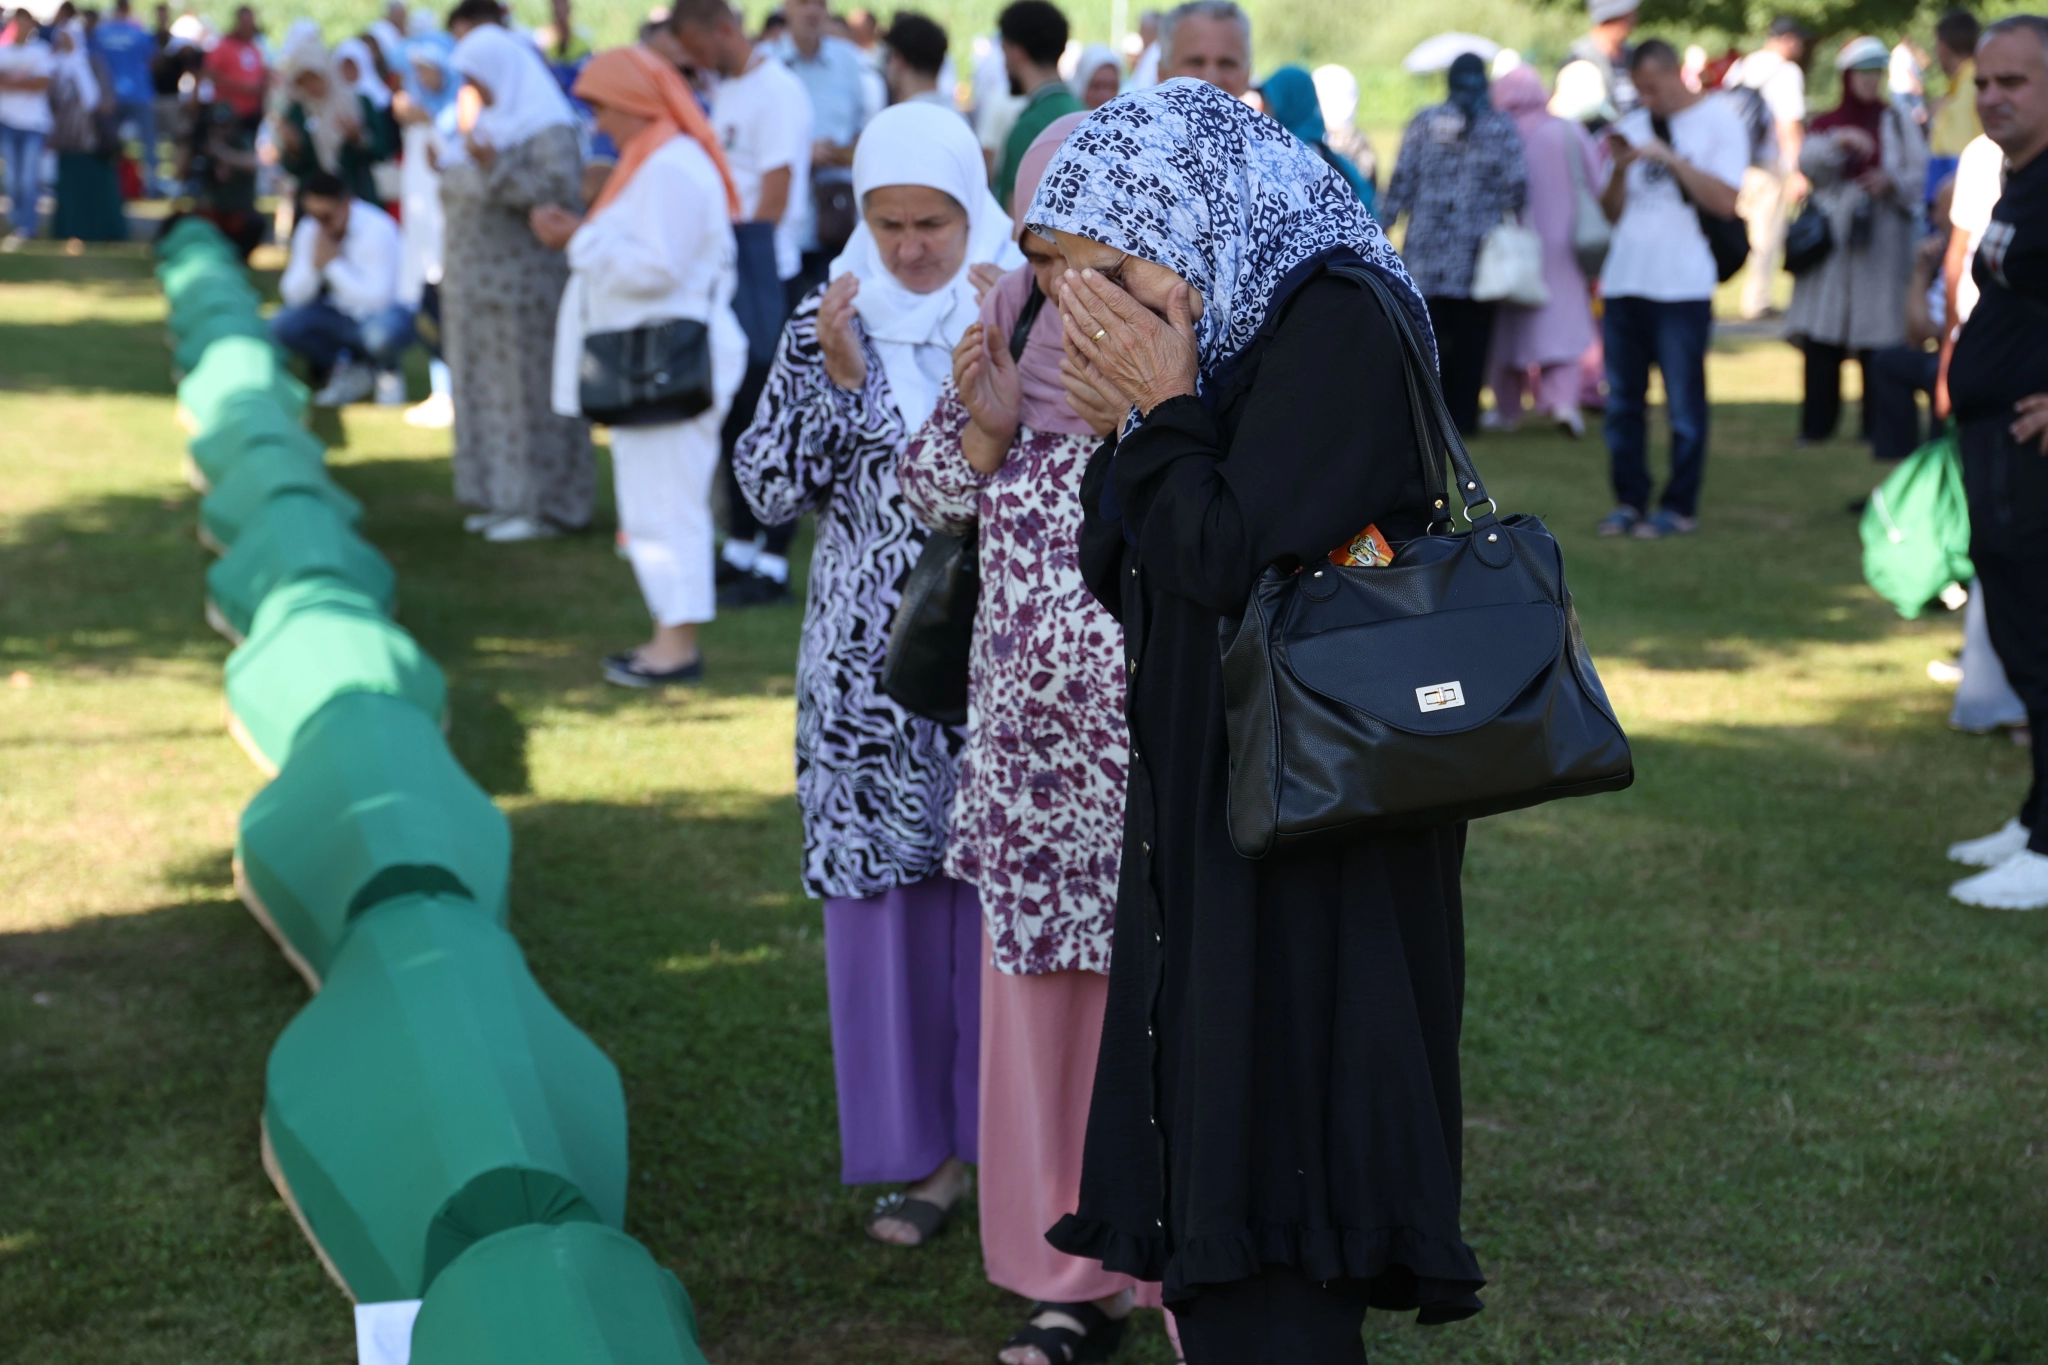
(500, 290)
(874, 782)
(1038, 821)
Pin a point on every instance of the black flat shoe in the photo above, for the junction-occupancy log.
(1098, 1340)
(624, 670)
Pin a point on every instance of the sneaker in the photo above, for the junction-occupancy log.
(1945, 671)
(476, 523)
(1664, 523)
(390, 389)
(350, 383)
(509, 530)
(753, 590)
(1570, 421)
(2018, 883)
(1992, 849)
(626, 670)
(1619, 522)
(1494, 420)
(436, 411)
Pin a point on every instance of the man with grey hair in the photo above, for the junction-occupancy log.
(1210, 40)
(1998, 393)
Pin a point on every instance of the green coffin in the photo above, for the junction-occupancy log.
(430, 1096)
(213, 290)
(191, 344)
(261, 474)
(249, 421)
(370, 806)
(572, 1294)
(232, 367)
(186, 233)
(311, 641)
(292, 536)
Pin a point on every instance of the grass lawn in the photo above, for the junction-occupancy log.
(1741, 1083)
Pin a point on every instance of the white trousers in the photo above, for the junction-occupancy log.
(1762, 204)
(662, 476)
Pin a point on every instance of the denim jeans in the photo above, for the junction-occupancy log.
(142, 117)
(1896, 377)
(1636, 333)
(321, 333)
(23, 153)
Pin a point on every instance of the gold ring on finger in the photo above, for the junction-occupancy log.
(1101, 332)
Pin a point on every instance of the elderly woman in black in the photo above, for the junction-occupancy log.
(1275, 1125)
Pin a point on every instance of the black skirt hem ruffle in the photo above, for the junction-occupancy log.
(1399, 1269)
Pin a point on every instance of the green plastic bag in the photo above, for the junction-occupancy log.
(1916, 529)
(261, 474)
(248, 421)
(573, 1294)
(310, 642)
(231, 367)
(192, 343)
(292, 536)
(431, 1096)
(370, 806)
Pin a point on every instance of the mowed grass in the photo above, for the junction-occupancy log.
(1741, 1083)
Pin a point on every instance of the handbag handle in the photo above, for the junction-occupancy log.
(1436, 434)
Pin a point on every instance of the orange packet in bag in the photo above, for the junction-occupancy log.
(1366, 550)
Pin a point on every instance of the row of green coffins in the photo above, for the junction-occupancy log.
(440, 1130)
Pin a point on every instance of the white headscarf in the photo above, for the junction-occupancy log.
(305, 54)
(525, 100)
(1093, 58)
(922, 144)
(75, 66)
(1337, 95)
(367, 84)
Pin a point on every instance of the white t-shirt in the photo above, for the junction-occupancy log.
(1658, 251)
(763, 120)
(1980, 183)
(1780, 82)
(27, 111)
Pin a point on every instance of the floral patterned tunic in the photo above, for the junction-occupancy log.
(1038, 821)
(874, 782)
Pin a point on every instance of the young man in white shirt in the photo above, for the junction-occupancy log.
(762, 115)
(26, 66)
(340, 290)
(1777, 74)
(1658, 283)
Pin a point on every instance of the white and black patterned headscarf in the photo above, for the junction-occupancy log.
(1188, 177)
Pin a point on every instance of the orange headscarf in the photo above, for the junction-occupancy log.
(637, 81)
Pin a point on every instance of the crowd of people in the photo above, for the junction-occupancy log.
(1108, 320)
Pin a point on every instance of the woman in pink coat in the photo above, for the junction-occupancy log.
(1544, 344)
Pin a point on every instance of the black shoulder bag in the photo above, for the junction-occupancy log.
(1727, 238)
(925, 671)
(1450, 684)
(643, 376)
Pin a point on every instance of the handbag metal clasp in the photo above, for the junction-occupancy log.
(1440, 696)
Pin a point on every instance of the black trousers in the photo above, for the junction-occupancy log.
(2007, 487)
(1464, 336)
(1894, 379)
(740, 521)
(1277, 1317)
(1820, 412)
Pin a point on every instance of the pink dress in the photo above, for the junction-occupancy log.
(1559, 332)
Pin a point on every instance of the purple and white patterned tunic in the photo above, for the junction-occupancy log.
(1038, 818)
(874, 782)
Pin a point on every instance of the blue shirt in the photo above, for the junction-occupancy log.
(127, 48)
(839, 104)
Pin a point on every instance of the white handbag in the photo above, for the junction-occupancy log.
(1510, 267)
(1591, 232)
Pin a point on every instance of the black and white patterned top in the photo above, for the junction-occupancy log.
(874, 782)
(1454, 182)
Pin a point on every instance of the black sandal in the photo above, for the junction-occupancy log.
(1101, 1334)
(928, 1218)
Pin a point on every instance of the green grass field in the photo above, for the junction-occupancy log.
(1741, 1083)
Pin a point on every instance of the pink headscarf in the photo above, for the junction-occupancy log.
(1519, 95)
(1045, 406)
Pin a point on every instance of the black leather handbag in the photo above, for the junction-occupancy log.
(1450, 684)
(1808, 240)
(932, 633)
(646, 375)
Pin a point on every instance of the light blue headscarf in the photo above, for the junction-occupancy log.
(431, 49)
(1186, 176)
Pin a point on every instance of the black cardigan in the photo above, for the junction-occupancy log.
(1278, 1080)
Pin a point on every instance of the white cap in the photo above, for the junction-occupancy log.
(1863, 54)
(1600, 11)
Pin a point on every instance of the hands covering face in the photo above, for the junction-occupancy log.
(1112, 339)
